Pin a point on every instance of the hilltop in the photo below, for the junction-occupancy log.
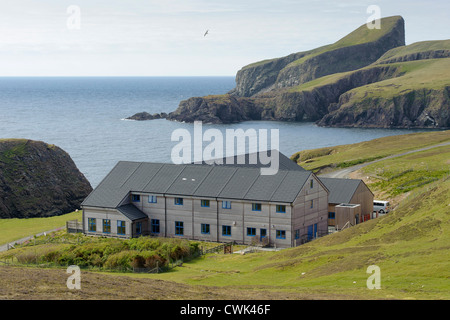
(38, 179)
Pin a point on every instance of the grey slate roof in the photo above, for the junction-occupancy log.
(131, 212)
(341, 190)
(284, 162)
(199, 180)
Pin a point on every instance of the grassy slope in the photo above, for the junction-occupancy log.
(14, 229)
(410, 245)
(422, 46)
(358, 36)
(340, 156)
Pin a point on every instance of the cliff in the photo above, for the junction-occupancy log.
(367, 79)
(38, 180)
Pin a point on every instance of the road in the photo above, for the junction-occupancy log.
(4, 247)
(345, 173)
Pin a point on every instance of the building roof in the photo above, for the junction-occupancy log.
(341, 190)
(198, 180)
(255, 160)
(131, 212)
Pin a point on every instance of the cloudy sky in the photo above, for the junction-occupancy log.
(166, 37)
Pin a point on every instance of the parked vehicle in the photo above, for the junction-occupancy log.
(380, 206)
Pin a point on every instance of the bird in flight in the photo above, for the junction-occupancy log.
(206, 33)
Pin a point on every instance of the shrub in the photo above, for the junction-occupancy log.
(120, 259)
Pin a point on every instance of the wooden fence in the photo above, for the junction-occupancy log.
(73, 226)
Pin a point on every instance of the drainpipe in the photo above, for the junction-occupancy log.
(165, 216)
(217, 216)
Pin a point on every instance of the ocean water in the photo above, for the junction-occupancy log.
(85, 117)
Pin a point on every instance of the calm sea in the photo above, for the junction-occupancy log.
(84, 116)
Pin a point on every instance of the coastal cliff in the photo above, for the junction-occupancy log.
(38, 180)
(367, 79)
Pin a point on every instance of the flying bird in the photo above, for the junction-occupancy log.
(206, 33)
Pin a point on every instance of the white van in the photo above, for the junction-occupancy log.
(380, 206)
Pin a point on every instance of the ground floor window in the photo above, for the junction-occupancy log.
(226, 231)
(281, 234)
(106, 225)
(155, 226)
(205, 228)
(120, 227)
(92, 224)
(297, 234)
(179, 228)
(251, 232)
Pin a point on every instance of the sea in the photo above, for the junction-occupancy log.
(85, 116)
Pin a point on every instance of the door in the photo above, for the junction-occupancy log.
(312, 231)
(262, 234)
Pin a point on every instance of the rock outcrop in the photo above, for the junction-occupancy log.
(38, 180)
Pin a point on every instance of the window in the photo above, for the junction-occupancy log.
(311, 183)
(135, 198)
(179, 201)
(205, 203)
(92, 224)
(312, 204)
(251, 232)
(205, 228)
(226, 231)
(256, 206)
(179, 228)
(281, 234)
(152, 199)
(331, 215)
(226, 204)
(155, 225)
(297, 234)
(281, 208)
(106, 225)
(138, 227)
(120, 227)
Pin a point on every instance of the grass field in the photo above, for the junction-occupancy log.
(15, 229)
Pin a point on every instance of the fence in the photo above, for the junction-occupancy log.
(73, 226)
(226, 247)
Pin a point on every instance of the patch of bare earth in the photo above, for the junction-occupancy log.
(22, 283)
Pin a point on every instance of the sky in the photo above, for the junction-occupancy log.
(166, 37)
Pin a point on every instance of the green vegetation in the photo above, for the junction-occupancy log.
(15, 229)
(63, 249)
(414, 48)
(403, 174)
(341, 156)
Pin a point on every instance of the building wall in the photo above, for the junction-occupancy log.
(305, 216)
(100, 214)
(364, 197)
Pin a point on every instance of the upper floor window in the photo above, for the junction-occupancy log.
(226, 204)
(135, 198)
(152, 199)
(205, 203)
(311, 183)
(256, 206)
(179, 201)
(281, 208)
